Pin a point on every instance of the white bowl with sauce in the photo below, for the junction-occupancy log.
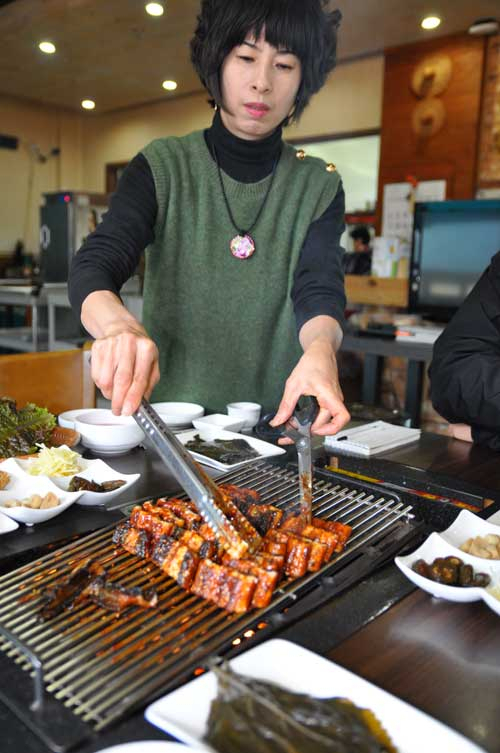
(106, 434)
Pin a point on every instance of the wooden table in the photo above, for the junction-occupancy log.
(439, 656)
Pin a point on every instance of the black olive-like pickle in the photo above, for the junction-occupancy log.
(451, 571)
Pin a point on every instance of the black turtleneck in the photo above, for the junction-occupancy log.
(243, 160)
(114, 249)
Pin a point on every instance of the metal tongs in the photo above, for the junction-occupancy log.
(298, 428)
(235, 532)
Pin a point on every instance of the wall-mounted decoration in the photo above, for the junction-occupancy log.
(489, 141)
(428, 117)
(432, 76)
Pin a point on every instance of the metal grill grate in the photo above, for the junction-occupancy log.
(101, 665)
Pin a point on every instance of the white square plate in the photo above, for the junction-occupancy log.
(209, 433)
(21, 486)
(147, 746)
(301, 671)
(95, 470)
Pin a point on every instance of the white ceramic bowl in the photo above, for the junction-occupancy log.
(67, 419)
(107, 434)
(229, 423)
(248, 412)
(178, 415)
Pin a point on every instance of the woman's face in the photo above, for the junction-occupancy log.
(259, 84)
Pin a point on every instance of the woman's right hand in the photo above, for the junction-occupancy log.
(125, 368)
(124, 358)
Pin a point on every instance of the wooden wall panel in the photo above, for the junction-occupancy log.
(452, 152)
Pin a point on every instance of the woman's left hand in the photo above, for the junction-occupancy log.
(315, 374)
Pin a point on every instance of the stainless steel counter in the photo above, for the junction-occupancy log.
(31, 338)
(44, 302)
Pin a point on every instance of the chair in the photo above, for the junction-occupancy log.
(56, 380)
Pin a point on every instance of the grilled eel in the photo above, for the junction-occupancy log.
(65, 594)
(115, 598)
(89, 581)
(171, 534)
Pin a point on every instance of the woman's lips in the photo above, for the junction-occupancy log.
(256, 110)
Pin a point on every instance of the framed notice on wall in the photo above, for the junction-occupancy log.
(399, 204)
(489, 141)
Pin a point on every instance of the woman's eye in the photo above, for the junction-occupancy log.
(285, 67)
(246, 58)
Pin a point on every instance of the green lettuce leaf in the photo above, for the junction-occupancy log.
(21, 430)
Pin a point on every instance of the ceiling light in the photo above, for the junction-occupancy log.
(430, 22)
(47, 47)
(170, 86)
(88, 104)
(154, 9)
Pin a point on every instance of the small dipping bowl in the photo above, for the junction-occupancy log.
(248, 412)
(106, 434)
(221, 420)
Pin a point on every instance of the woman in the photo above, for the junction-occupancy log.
(243, 285)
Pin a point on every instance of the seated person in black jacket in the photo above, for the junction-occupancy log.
(465, 369)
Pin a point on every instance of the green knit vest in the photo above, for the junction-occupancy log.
(225, 327)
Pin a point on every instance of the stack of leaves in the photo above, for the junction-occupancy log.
(21, 430)
(252, 716)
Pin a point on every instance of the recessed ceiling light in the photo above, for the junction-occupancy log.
(47, 47)
(430, 22)
(154, 9)
(88, 104)
(170, 86)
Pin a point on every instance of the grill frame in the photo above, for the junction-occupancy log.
(383, 524)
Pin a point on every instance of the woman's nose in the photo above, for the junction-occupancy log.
(262, 81)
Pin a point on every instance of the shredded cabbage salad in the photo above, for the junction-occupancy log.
(55, 461)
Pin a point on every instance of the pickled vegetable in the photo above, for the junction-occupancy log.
(252, 716)
(451, 571)
(78, 484)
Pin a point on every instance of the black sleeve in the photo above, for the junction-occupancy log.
(465, 369)
(110, 255)
(318, 285)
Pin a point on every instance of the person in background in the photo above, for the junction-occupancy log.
(465, 368)
(243, 290)
(359, 261)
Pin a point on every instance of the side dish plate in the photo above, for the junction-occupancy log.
(210, 433)
(94, 470)
(447, 543)
(302, 671)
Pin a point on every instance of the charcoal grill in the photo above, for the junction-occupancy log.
(86, 668)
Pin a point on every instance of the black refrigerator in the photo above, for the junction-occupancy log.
(66, 219)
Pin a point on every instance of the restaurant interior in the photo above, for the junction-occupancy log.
(356, 549)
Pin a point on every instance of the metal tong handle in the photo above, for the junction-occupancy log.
(198, 486)
(299, 425)
(298, 428)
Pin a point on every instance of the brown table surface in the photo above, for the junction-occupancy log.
(439, 656)
(442, 657)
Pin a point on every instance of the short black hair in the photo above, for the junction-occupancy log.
(304, 27)
(361, 233)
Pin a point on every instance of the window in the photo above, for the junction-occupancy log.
(357, 159)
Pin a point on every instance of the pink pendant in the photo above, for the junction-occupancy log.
(242, 246)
